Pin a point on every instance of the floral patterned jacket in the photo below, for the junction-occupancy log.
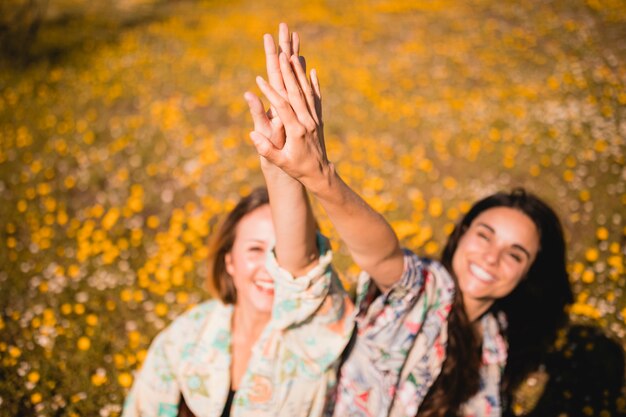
(293, 365)
(401, 345)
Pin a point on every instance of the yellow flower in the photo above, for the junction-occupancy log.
(141, 355)
(161, 309)
(182, 297)
(152, 222)
(109, 220)
(592, 254)
(73, 271)
(15, 352)
(83, 343)
(33, 377)
(584, 195)
(69, 182)
(614, 248)
(431, 248)
(435, 207)
(588, 276)
(36, 398)
(134, 338)
(98, 379)
(568, 175)
(449, 183)
(92, 319)
(534, 170)
(178, 276)
(125, 379)
(79, 309)
(602, 233)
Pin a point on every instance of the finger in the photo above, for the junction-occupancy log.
(279, 136)
(318, 95)
(284, 39)
(302, 62)
(294, 93)
(295, 44)
(264, 147)
(271, 128)
(282, 107)
(305, 86)
(259, 117)
(271, 63)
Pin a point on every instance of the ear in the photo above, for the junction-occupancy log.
(228, 262)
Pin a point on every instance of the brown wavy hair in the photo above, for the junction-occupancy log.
(530, 331)
(219, 282)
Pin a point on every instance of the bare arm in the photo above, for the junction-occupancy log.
(293, 219)
(369, 238)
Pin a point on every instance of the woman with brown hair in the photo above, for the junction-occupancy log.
(432, 338)
(254, 349)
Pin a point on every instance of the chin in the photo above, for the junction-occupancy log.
(263, 304)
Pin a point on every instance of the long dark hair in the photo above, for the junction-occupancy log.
(535, 310)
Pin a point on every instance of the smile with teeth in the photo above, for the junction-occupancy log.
(265, 285)
(480, 273)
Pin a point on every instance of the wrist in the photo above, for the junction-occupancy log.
(277, 178)
(322, 185)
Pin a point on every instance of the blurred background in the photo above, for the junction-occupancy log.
(124, 138)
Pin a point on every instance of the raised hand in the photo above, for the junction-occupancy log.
(303, 155)
(291, 212)
(369, 238)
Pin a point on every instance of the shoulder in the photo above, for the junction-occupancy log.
(424, 276)
(421, 277)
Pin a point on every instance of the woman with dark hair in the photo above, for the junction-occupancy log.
(530, 314)
(431, 339)
(253, 349)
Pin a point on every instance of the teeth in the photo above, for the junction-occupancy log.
(480, 273)
(266, 285)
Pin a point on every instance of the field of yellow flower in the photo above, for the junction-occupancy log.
(124, 139)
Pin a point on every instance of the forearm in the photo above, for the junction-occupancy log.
(368, 236)
(294, 223)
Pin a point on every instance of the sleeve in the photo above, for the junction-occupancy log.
(313, 312)
(391, 320)
(155, 391)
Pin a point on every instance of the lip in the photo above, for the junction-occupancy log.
(480, 273)
(265, 286)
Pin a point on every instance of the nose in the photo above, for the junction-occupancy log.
(491, 255)
(262, 270)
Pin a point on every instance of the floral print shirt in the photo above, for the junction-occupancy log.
(293, 365)
(401, 344)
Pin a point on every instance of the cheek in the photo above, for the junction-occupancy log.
(459, 255)
(515, 276)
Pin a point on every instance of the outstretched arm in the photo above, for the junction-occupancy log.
(369, 238)
(294, 223)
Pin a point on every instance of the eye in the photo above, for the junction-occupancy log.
(483, 235)
(256, 249)
(516, 257)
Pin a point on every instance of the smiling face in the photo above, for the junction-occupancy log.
(493, 256)
(245, 262)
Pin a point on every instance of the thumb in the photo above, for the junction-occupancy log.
(265, 147)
